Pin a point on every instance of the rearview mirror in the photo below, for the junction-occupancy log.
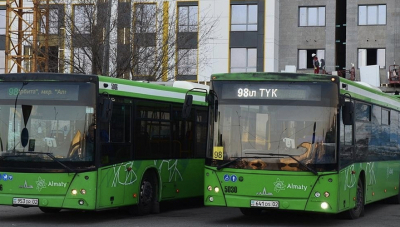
(106, 110)
(348, 113)
(187, 106)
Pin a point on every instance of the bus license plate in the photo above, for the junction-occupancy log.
(258, 203)
(24, 201)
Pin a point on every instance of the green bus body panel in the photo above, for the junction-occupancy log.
(179, 178)
(297, 190)
(52, 189)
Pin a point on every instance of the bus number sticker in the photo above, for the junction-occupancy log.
(230, 189)
(218, 153)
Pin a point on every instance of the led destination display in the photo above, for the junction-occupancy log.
(272, 91)
(39, 91)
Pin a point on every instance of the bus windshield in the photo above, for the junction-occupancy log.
(46, 125)
(289, 131)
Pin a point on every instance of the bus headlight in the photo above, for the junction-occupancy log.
(327, 194)
(317, 194)
(216, 189)
(74, 191)
(324, 205)
(83, 191)
(209, 188)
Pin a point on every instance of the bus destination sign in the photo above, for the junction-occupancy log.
(272, 91)
(42, 91)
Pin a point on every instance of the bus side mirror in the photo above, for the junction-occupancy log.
(187, 106)
(106, 110)
(348, 113)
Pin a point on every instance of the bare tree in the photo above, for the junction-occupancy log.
(136, 40)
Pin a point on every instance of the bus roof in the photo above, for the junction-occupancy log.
(182, 84)
(272, 76)
(369, 93)
(152, 90)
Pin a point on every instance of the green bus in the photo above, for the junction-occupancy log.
(302, 142)
(89, 142)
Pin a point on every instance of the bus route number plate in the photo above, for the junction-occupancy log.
(258, 203)
(24, 201)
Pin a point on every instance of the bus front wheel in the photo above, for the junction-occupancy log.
(358, 210)
(147, 195)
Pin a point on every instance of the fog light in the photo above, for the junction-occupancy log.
(83, 191)
(216, 189)
(211, 199)
(317, 194)
(209, 188)
(81, 202)
(74, 192)
(324, 205)
(327, 194)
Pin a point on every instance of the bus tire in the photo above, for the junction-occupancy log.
(251, 211)
(49, 210)
(357, 211)
(147, 194)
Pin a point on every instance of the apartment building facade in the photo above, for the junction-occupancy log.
(246, 36)
(342, 32)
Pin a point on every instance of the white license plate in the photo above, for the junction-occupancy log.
(24, 201)
(258, 203)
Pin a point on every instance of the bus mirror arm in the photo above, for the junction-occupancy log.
(216, 110)
(213, 101)
(187, 104)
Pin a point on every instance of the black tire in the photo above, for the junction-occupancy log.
(251, 211)
(147, 195)
(49, 210)
(357, 211)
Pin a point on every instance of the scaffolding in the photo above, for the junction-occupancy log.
(24, 52)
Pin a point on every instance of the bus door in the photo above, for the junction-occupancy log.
(346, 153)
(117, 176)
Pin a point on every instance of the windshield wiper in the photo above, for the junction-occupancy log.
(228, 163)
(52, 157)
(288, 155)
(233, 161)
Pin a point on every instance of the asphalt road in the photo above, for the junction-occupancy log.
(183, 215)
